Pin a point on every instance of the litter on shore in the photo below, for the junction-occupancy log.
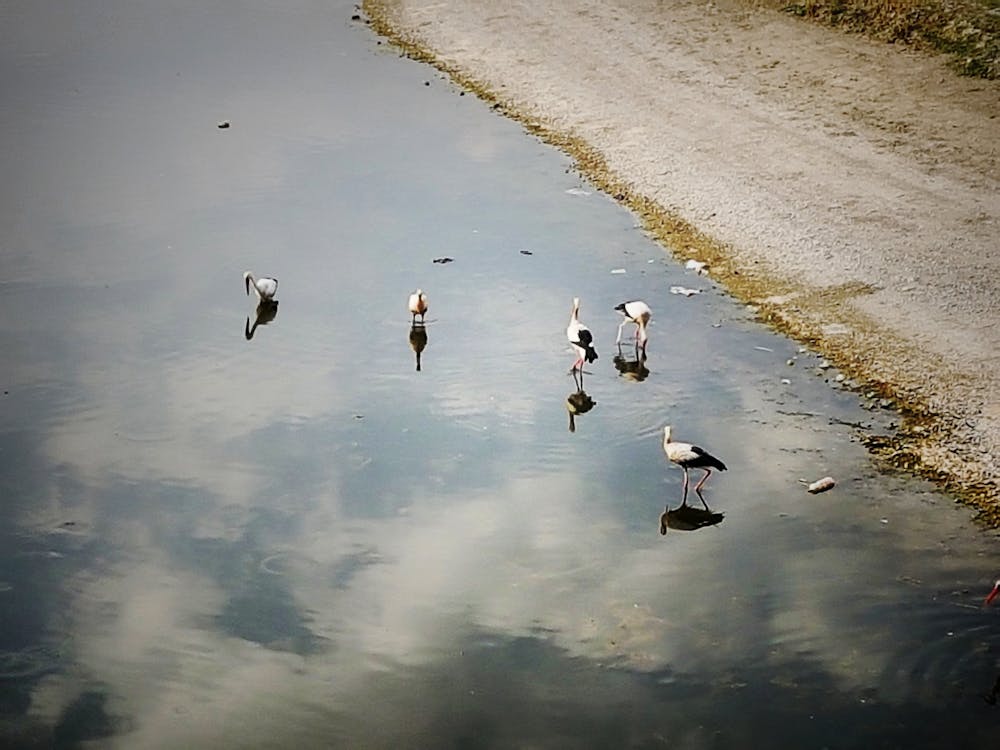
(820, 485)
(683, 290)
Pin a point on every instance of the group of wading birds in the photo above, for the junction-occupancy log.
(580, 338)
(637, 312)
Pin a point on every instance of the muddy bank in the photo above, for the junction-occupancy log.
(847, 189)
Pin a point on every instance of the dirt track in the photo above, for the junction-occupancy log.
(850, 189)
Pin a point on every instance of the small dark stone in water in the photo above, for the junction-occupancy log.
(526, 252)
(461, 93)
(224, 124)
(355, 17)
(443, 260)
(427, 83)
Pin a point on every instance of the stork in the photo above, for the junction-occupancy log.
(580, 338)
(264, 287)
(637, 312)
(689, 456)
(418, 305)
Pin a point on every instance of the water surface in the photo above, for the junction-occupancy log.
(297, 539)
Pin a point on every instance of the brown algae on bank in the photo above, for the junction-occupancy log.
(875, 360)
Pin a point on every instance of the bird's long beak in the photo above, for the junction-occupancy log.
(993, 594)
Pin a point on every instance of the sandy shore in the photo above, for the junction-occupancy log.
(849, 189)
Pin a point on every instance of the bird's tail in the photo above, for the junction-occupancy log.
(591, 354)
(717, 464)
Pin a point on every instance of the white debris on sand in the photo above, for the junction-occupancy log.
(687, 292)
(821, 485)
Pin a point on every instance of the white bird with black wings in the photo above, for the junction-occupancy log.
(580, 338)
(689, 456)
(637, 312)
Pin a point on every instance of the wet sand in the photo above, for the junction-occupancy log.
(847, 189)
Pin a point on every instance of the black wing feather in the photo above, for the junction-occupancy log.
(705, 459)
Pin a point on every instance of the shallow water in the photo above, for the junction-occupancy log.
(297, 539)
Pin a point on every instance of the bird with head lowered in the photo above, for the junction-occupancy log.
(418, 305)
(264, 287)
(689, 456)
(637, 312)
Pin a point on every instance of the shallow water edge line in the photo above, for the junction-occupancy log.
(925, 443)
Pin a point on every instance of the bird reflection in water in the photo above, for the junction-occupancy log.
(578, 402)
(637, 312)
(632, 369)
(266, 310)
(992, 696)
(418, 340)
(686, 518)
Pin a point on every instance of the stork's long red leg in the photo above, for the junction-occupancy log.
(698, 486)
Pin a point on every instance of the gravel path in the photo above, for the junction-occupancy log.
(850, 189)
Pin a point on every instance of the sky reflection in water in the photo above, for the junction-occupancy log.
(295, 538)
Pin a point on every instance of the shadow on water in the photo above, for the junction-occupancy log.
(993, 696)
(267, 309)
(634, 367)
(418, 340)
(578, 402)
(687, 518)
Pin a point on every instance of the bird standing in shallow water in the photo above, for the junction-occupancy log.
(418, 305)
(637, 312)
(580, 338)
(264, 287)
(689, 456)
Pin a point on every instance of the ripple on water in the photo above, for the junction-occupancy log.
(65, 404)
(72, 528)
(29, 662)
(955, 642)
(286, 562)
